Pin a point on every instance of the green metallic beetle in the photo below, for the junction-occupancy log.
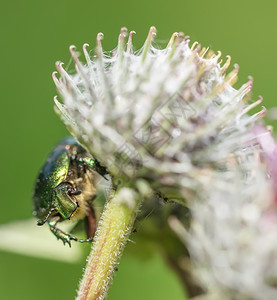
(65, 189)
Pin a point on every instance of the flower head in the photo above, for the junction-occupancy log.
(169, 116)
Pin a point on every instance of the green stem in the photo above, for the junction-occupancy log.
(113, 230)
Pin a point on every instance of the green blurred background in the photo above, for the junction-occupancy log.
(34, 34)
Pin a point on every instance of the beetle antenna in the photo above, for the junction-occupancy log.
(41, 222)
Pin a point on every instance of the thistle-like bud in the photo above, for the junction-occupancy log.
(169, 116)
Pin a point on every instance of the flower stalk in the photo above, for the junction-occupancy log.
(114, 228)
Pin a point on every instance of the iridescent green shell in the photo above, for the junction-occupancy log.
(54, 172)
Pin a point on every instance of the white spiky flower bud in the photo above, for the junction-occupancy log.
(163, 115)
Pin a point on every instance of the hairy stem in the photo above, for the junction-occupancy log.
(113, 230)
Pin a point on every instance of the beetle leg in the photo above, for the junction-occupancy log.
(90, 222)
(41, 222)
(95, 165)
(64, 236)
(59, 234)
(63, 203)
